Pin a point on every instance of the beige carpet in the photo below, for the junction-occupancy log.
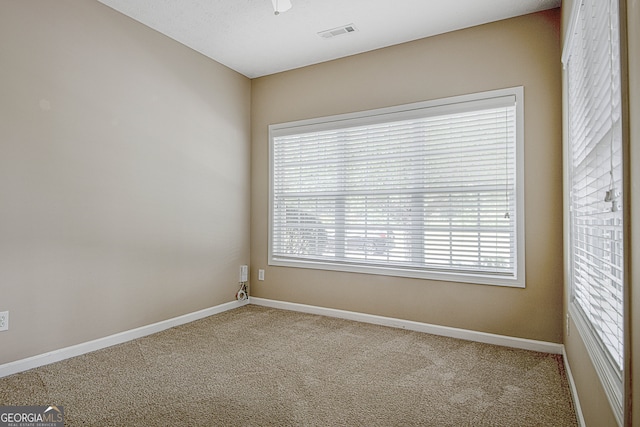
(257, 366)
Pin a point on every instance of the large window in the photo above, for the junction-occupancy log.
(594, 155)
(431, 190)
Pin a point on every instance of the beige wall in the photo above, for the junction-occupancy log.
(521, 51)
(595, 405)
(124, 176)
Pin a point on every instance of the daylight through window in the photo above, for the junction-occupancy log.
(424, 190)
(596, 239)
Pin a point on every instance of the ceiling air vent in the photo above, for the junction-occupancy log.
(345, 29)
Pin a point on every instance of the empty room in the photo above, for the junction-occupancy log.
(319, 212)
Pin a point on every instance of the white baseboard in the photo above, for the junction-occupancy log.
(119, 338)
(573, 389)
(77, 350)
(465, 334)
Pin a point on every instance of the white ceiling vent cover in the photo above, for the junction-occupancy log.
(345, 29)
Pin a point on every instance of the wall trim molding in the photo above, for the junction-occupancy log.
(573, 389)
(465, 334)
(111, 340)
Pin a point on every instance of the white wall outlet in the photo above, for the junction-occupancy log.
(244, 273)
(4, 320)
(261, 274)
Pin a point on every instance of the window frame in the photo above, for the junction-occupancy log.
(611, 378)
(400, 112)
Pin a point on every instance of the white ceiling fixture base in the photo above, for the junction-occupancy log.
(280, 6)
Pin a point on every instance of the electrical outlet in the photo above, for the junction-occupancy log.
(260, 274)
(4, 320)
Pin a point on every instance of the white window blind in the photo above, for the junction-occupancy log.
(592, 62)
(426, 190)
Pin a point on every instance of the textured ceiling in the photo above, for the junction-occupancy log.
(246, 36)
